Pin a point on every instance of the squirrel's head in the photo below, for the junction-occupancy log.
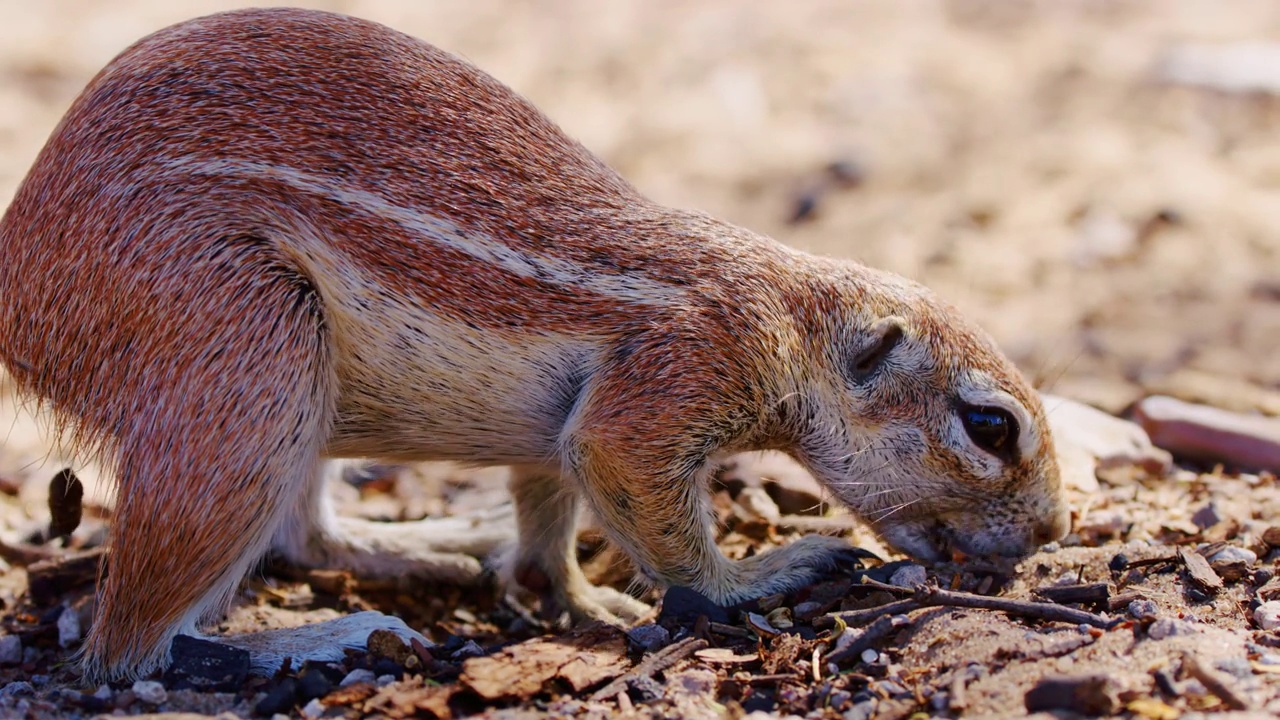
(917, 422)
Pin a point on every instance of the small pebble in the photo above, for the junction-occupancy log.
(469, 649)
(1143, 610)
(909, 576)
(1231, 553)
(1051, 548)
(869, 656)
(40, 679)
(839, 698)
(1267, 615)
(861, 711)
(1133, 577)
(1269, 659)
(313, 709)
(1207, 516)
(1169, 627)
(279, 699)
(384, 680)
(892, 688)
(314, 683)
(16, 688)
(68, 628)
(808, 610)
(10, 650)
(124, 699)
(649, 637)
(1119, 562)
(1236, 667)
(1262, 576)
(940, 702)
(685, 604)
(359, 675)
(150, 692)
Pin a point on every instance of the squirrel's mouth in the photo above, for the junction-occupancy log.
(932, 540)
(923, 540)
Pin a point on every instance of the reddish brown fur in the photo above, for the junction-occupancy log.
(200, 273)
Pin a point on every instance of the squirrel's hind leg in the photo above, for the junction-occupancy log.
(440, 549)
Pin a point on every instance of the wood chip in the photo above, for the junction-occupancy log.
(1200, 571)
(1090, 594)
(1086, 695)
(1214, 682)
(581, 660)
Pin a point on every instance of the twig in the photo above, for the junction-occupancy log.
(928, 596)
(656, 662)
(1091, 594)
(861, 617)
(729, 630)
(875, 632)
(866, 582)
(1213, 683)
(772, 679)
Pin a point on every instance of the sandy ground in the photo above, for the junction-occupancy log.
(1117, 232)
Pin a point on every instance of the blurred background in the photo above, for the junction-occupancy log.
(1097, 182)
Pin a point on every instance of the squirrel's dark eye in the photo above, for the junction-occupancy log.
(991, 428)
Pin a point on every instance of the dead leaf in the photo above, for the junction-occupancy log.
(404, 699)
(581, 659)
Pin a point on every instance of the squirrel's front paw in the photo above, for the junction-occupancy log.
(791, 566)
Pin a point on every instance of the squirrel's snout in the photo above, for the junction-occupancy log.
(1052, 528)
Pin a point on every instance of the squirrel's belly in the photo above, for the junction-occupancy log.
(413, 386)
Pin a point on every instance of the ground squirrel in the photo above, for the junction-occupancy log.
(263, 239)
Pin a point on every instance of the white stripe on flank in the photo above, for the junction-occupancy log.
(625, 287)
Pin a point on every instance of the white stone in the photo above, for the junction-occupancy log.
(1169, 627)
(150, 692)
(909, 576)
(68, 628)
(10, 650)
(1231, 553)
(359, 675)
(313, 709)
(1267, 616)
(1143, 609)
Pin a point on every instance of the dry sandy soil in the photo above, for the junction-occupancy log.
(1047, 166)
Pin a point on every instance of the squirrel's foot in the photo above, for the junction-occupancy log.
(442, 549)
(321, 642)
(799, 563)
(605, 604)
(568, 591)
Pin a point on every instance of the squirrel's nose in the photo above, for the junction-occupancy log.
(1053, 528)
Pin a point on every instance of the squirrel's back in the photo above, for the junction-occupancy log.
(389, 182)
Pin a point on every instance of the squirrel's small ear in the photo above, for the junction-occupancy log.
(874, 345)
